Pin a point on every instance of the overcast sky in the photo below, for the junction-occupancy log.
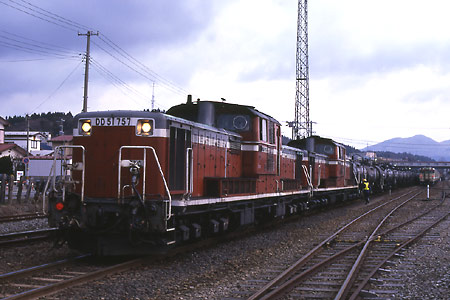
(378, 69)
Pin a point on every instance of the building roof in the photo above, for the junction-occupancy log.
(11, 146)
(4, 122)
(62, 138)
(4, 147)
(24, 133)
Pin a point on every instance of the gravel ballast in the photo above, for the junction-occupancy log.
(218, 272)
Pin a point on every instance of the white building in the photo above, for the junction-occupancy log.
(12, 150)
(35, 138)
(3, 125)
(371, 155)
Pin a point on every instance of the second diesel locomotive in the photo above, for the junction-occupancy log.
(429, 176)
(142, 180)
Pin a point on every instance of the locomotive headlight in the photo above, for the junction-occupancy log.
(144, 127)
(86, 127)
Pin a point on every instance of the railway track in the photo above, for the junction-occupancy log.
(344, 265)
(47, 279)
(13, 218)
(44, 280)
(12, 238)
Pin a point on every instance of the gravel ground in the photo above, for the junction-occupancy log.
(428, 263)
(218, 272)
(23, 225)
(17, 209)
(28, 255)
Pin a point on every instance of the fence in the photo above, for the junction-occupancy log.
(12, 192)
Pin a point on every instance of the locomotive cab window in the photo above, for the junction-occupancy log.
(234, 122)
(271, 132)
(340, 153)
(263, 130)
(327, 149)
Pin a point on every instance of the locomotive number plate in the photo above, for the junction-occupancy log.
(116, 121)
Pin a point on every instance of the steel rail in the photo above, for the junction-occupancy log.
(25, 236)
(359, 288)
(303, 260)
(31, 270)
(58, 286)
(12, 218)
(345, 287)
(292, 282)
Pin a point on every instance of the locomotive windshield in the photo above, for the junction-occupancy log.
(234, 122)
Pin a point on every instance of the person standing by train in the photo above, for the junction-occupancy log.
(366, 190)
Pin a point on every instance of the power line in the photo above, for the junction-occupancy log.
(33, 47)
(24, 10)
(143, 71)
(57, 89)
(30, 60)
(60, 18)
(143, 67)
(52, 46)
(117, 82)
(120, 55)
(33, 51)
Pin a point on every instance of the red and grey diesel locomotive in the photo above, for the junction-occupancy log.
(141, 180)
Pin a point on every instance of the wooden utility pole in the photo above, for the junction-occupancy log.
(28, 145)
(86, 71)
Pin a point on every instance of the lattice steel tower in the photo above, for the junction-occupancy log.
(302, 125)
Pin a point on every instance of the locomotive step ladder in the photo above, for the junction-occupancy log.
(123, 163)
(65, 172)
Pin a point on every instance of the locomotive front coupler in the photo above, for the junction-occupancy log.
(138, 211)
(135, 174)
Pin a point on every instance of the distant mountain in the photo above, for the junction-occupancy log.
(418, 145)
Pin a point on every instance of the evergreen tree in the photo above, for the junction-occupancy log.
(6, 166)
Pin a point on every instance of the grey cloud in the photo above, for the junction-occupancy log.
(138, 27)
(329, 57)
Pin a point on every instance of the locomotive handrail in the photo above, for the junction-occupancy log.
(189, 172)
(308, 178)
(318, 179)
(357, 180)
(45, 190)
(169, 212)
(52, 175)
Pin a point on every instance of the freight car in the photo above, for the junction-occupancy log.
(429, 176)
(142, 180)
